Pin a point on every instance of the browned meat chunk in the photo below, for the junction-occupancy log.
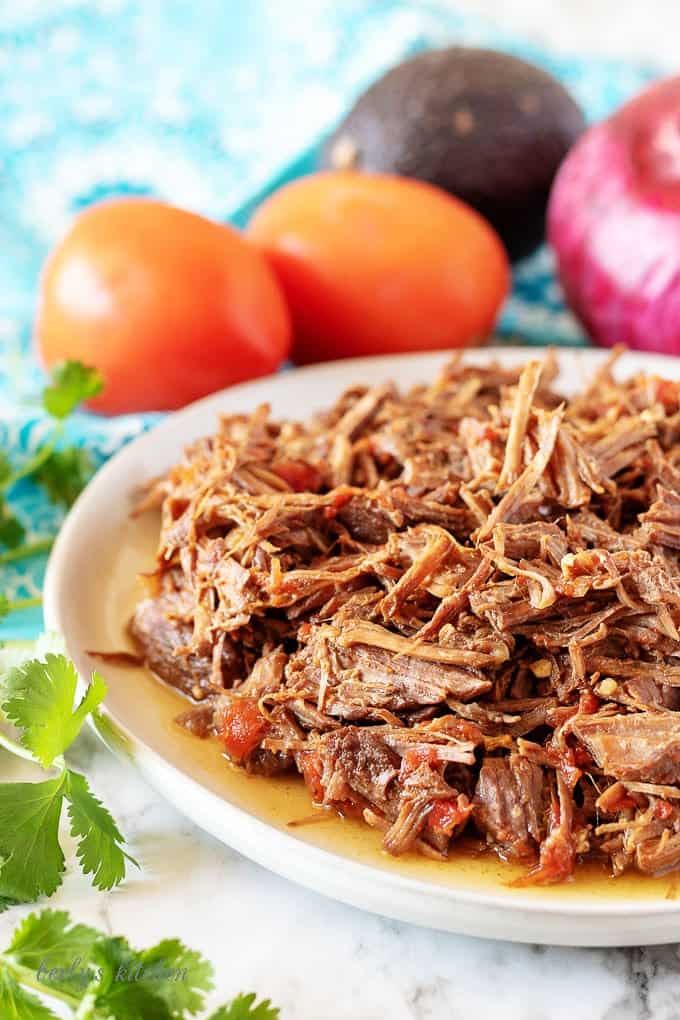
(659, 856)
(642, 746)
(163, 641)
(508, 806)
(357, 761)
(366, 521)
(357, 679)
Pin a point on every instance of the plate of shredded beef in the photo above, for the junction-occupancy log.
(405, 630)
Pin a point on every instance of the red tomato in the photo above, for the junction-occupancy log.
(588, 702)
(167, 305)
(242, 727)
(301, 476)
(446, 815)
(416, 757)
(311, 767)
(375, 264)
(663, 810)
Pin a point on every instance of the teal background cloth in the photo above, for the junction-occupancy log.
(209, 105)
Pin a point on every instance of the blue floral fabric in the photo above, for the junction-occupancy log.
(208, 105)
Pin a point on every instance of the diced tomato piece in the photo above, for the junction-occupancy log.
(340, 499)
(663, 810)
(311, 767)
(668, 394)
(416, 757)
(301, 476)
(582, 564)
(242, 727)
(588, 703)
(446, 815)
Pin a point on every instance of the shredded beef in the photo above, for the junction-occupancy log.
(643, 746)
(451, 609)
(165, 644)
(508, 807)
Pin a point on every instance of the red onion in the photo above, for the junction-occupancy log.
(614, 222)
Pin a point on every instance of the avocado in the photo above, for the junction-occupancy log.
(485, 126)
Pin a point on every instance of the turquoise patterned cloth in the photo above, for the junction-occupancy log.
(209, 106)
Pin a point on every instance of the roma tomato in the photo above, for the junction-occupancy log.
(167, 305)
(372, 264)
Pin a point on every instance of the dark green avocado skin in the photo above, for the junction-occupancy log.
(485, 126)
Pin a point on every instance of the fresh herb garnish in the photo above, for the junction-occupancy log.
(38, 698)
(65, 474)
(12, 531)
(245, 1007)
(62, 471)
(99, 977)
(72, 383)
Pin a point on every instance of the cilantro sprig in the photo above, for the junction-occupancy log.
(61, 471)
(102, 977)
(246, 1007)
(37, 697)
(72, 383)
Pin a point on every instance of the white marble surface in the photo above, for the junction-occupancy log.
(320, 960)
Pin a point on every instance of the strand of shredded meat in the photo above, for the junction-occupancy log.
(453, 610)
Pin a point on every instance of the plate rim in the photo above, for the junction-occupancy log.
(151, 762)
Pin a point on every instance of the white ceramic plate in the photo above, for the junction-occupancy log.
(89, 592)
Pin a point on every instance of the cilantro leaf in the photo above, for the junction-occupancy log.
(103, 976)
(5, 469)
(37, 696)
(164, 982)
(99, 847)
(49, 943)
(65, 474)
(72, 382)
(124, 991)
(18, 1004)
(31, 860)
(38, 699)
(243, 1007)
(180, 976)
(12, 531)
